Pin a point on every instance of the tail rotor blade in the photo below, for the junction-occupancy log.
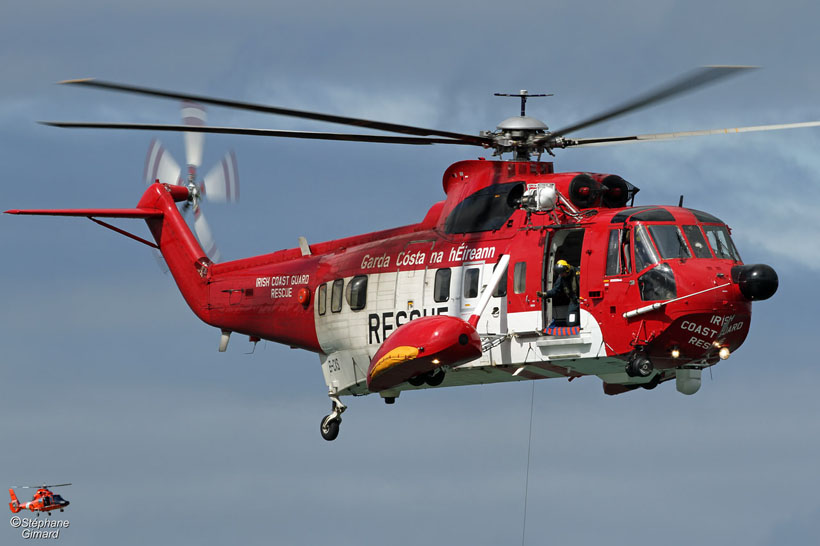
(159, 165)
(222, 182)
(193, 114)
(203, 233)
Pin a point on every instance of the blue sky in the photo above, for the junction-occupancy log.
(107, 380)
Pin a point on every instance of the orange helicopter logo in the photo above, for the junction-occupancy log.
(43, 501)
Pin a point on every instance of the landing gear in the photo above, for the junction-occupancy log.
(639, 366)
(433, 378)
(330, 423)
(654, 382)
(418, 380)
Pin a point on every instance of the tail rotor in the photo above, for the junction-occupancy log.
(220, 185)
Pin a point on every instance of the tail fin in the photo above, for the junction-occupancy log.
(185, 258)
(14, 504)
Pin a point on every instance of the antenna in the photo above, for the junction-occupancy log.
(523, 95)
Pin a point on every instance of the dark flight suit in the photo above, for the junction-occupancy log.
(568, 286)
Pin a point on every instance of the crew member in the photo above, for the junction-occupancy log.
(566, 284)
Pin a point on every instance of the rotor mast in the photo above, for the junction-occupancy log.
(522, 135)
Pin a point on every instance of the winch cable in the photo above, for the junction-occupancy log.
(527, 479)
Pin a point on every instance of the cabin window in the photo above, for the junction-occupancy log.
(721, 242)
(658, 284)
(697, 242)
(500, 290)
(336, 295)
(485, 210)
(471, 282)
(670, 241)
(645, 253)
(520, 278)
(356, 293)
(441, 286)
(322, 298)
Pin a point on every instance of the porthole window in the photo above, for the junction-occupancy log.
(471, 282)
(336, 295)
(356, 293)
(322, 299)
(520, 278)
(441, 286)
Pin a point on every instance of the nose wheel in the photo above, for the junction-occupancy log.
(330, 423)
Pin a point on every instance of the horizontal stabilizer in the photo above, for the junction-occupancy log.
(97, 213)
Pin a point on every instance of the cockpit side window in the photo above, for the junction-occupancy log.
(721, 242)
(670, 242)
(645, 253)
(618, 260)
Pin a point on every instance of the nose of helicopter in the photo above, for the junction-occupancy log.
(756, 282)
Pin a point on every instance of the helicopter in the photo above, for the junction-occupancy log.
(43, 501)
(469, 295)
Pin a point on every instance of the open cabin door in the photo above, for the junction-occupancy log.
(565, 244)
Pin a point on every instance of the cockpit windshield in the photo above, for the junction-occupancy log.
(721, 242)
(670, 241)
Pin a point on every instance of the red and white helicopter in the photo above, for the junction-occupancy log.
(461, 297)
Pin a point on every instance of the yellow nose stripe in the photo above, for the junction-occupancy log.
(396, 356)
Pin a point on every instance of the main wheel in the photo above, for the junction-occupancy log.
(639, 366)
(652, 383)
(417, 381)
(644, 367)
(330, 428)
(434, 379)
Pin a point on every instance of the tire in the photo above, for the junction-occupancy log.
(417, 381)
(330, 432)
(644, 368)
(434, 379)
(652, 383)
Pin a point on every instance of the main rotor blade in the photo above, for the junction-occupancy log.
(266, 132)
(379, 125)
(685, 83)
(39, 486)
(605, 141)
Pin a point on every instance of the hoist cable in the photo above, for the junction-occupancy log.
(527, 479)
